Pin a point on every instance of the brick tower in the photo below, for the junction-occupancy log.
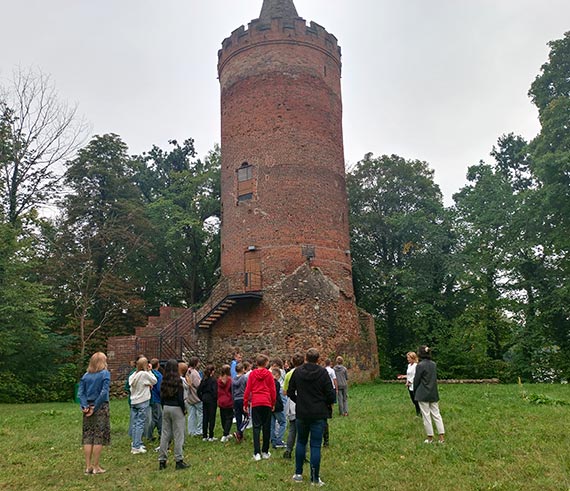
(286, 267)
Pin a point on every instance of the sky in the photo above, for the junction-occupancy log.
(434, 80)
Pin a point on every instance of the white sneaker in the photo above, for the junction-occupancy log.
(224, 439)
(212, 439)
(265, 455)
(297, 477)
(318, 483)
(138, 450)
(257, 457)
(204, 439)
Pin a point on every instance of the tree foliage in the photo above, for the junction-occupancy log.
(399, 239)
(183, 209)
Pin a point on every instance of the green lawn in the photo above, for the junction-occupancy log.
(495, 440)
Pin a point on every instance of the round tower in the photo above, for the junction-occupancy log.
(284, 200)
(286, 280)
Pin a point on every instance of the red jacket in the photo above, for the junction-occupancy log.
(225, 399)
(260, 389)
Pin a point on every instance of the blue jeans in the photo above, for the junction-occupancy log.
(194, 418)
(278, 427)
(138, 416)
(313, 428)
(238, 413)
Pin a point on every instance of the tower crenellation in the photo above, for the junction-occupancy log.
(283, 31)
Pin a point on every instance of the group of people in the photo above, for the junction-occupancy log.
(269, 396)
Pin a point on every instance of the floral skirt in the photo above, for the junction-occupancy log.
(97, 427)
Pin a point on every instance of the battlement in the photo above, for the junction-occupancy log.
(280, 30)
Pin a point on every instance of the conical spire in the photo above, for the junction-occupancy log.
(277, 8)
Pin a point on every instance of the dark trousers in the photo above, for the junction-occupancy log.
(238, 413)
(226, 417)
(412, 394)
(208, 419)
(261, 419)
(313, 429)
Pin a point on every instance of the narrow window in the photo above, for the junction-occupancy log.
(245, 182)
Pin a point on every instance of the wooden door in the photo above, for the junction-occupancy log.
(252, 277)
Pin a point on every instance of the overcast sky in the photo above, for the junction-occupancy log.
(436, 80)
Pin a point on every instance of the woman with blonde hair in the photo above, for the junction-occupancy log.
(410, 374)
(94, 398)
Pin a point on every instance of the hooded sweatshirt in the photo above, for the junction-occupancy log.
(260, 389)
(141, 382)
(311, 389)
(225, 400)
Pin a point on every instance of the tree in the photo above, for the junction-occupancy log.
(550, 152)
(39, 133)
(95, 248)
(26, 341)
(400, 240)
(183, 208)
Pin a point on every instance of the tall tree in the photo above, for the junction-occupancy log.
(550, 152)
(400, 239)
(96, 247)
(40, 133)
(183, 207)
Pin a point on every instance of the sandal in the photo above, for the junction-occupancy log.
(88, 471)
(99, 471)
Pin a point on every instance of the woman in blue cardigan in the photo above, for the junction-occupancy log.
(94, 398)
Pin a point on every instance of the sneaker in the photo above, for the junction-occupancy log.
(213, 439)
(204, 439)
(180, 464)
(318, 483)
(224, 439)
(297, 477)
(287, 455)
(427, 440)
(238, 437)
(161, 465)
(257, 457)
(157, 449)
(138, 450)
(280, 445)
(265, 455)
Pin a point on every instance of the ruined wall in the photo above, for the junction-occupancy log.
(306, 309)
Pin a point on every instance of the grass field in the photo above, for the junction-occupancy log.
(495, 440)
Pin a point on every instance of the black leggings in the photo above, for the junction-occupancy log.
(412, 393)
(208, 419)
(226, 417)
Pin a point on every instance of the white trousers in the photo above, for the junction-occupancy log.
(431, 410)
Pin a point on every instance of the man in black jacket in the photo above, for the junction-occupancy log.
(311, 389)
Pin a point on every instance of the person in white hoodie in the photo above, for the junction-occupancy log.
(140, 383)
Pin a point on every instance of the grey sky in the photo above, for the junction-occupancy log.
(436, 80)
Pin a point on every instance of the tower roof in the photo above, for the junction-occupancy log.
(277, 8)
